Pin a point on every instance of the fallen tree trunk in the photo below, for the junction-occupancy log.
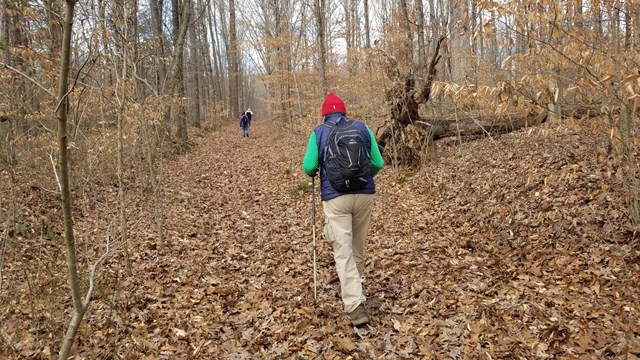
(467, 125)
(474, 125)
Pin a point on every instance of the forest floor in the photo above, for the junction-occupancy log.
(516, 247)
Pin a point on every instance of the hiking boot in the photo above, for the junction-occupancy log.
(359, 316)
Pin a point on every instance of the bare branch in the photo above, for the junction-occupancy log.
(75, 81)
(424, 95)
(106, 253)
(3, 244)
(144, 81)
(28, 78)
(24, 134)
(55, 171)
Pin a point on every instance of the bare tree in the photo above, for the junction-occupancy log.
(367, 27)
(195, 72)
(218, 48)
(351, 33)
(234, 71)
(121, 122)
(157, 17)
(179, 112)
(80, 306)
(224, 52)
(65, 187)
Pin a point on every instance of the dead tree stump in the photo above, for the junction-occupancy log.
(407, 133)
(404, 103)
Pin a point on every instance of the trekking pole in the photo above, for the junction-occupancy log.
(313, 220)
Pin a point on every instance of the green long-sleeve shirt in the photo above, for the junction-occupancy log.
(311, 160)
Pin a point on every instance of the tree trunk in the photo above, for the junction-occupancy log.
(287, 61)
(356, 32)
(217, 78)
(55, 27)
(473, 126)
(555, 84)
(4, 37)
(70, 335)
(627, 22)
(207, 94)
(635, 10)
(156, 7)
(122, 211)
(233, 62)
(422, 51)
(175, 72)
(597, 21)
(459, 49)
(195, 71)
(406, 55)
(133, 21)
(555, 88)
(157, 17)
(624, 117)
(65, 183)
(348, 34)
(181, 111)
(319, 7)
(432, 17)
(367, 30)
(224, 67)
(17, 36)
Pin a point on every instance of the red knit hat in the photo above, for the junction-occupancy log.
(332, 103)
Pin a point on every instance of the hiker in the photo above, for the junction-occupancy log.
(249, 114)
(245, 122)
(347, 211)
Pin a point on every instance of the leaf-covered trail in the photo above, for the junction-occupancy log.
(516, 247)
(236, 270)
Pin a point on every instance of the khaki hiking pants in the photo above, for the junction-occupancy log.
(347, 221)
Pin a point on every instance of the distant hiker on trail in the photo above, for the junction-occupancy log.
(348, 157)
(249, 114)
(245, 122)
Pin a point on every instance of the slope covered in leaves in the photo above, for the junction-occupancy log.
(514, 247)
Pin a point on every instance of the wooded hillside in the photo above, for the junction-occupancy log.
(135, 221)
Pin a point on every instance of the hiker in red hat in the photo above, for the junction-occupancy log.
(348, 157)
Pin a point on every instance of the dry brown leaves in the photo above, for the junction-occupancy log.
(516, 247)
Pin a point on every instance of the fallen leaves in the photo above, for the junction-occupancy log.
(179, 333)
(515, 247)
(342, 344)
